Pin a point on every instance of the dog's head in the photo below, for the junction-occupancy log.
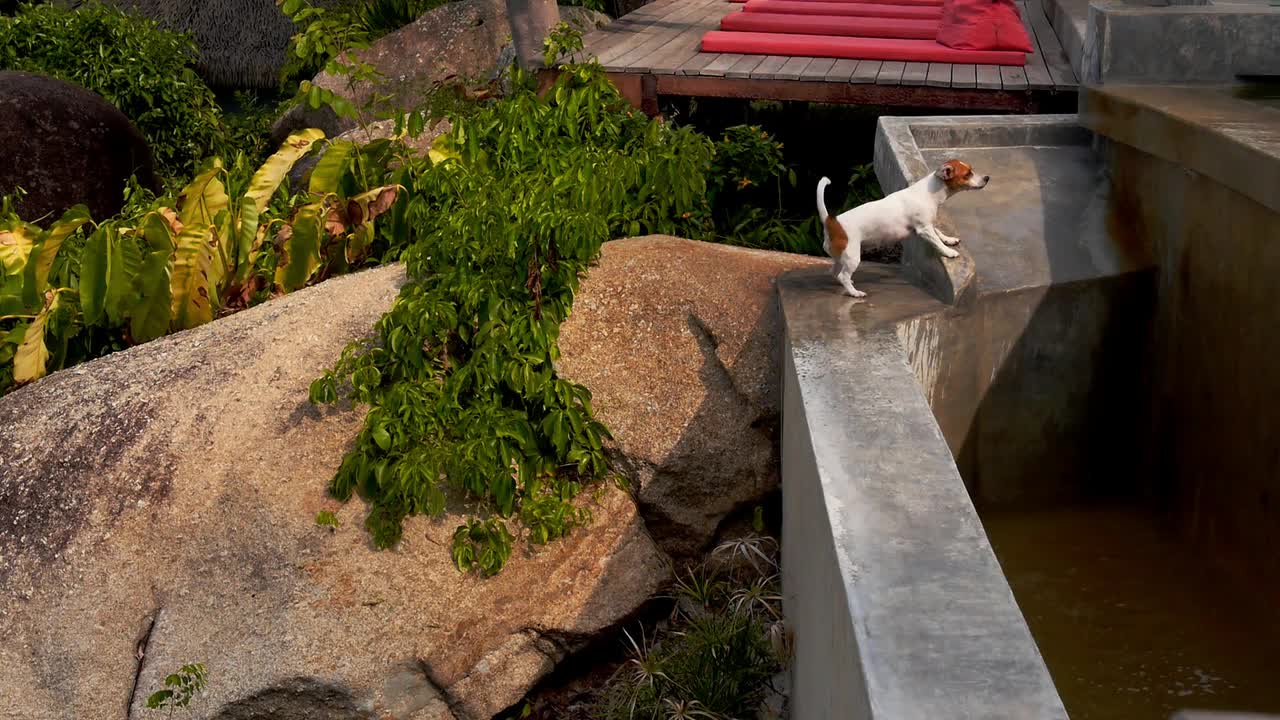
(958, 176)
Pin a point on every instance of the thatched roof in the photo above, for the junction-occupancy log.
(242, 42)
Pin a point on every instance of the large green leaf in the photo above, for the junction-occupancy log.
(150, 313)
(190, 304)
(30, 362)
(300, 254)
(50, 242)
(158, 231)
(95, 262)
(327, 173)
(126, 262)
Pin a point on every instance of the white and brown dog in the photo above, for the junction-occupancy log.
(891, 219)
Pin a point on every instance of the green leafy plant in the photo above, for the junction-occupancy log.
(326, 518)
(180, 688)
(145, 71)
(483, 545)
(460, 378)
(78, 289)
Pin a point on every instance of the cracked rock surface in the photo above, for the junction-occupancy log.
(157, 507)
(679, 342)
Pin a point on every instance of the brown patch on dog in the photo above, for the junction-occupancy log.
(955, 173)
(839, 239)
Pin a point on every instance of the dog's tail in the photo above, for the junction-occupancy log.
(822, 204)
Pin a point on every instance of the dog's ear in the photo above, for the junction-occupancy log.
(947, 171)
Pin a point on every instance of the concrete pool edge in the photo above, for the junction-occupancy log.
(899, 607)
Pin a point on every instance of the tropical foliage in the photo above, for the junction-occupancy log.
(78, 289)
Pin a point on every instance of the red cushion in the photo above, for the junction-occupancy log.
(813, 7)
(983, 25)
(869, 27)
(754, 43)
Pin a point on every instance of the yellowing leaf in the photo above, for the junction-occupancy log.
(190, 304)
(30, 362)
(204, 198)
(273, 171)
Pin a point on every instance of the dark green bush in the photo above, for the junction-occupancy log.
(145, 71)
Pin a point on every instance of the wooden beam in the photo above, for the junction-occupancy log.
(846, 93)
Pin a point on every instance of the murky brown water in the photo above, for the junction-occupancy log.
(1132, 624)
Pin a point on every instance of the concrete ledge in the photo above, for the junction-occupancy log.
(1204, 129)
(1028, 155)
(1126, 43)
(900, 609)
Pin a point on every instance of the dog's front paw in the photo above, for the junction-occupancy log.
(950, 240)
(857, 294)
(948, 252)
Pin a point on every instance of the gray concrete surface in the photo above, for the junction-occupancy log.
(1040, 221)
(1206, 130)
(1078, 349)
(1215, 43)
(899, 607)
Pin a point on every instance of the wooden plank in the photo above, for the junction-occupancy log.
(653, 36)
(768, 70)
(721, 65)
(626, 27)
(915, 73)
(890, 73)
(793, 67)
(867, 72)
(1055, 57)
(939, 75)
(988, 78)
(673, 56)
(1013, 78)
(1037, 72)
(744, 67)
(817, 70)
(694, 65)
(964, 76)
(841, 70)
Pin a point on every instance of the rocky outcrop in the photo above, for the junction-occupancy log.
(679, 343)
(65, 145)
(467, 40)
(157, 507)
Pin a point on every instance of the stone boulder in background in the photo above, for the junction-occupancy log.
(160, 503)
(467, 39)
(66, 145)
(679, 343)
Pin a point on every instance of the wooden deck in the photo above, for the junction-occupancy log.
(654, 51)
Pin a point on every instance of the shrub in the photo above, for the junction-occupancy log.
(145, 71)
(461, 377)
(78, 290)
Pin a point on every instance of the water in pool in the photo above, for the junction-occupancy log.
(1266, 94)
(1131, 622)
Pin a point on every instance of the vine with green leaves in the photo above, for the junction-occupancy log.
(461, 378)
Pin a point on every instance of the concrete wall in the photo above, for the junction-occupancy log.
(1181, 43)
(1215, 358)
(899, 608)
(1038, 392)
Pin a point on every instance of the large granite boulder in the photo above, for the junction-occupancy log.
(679, 342)
(157, 507)
(466, 40)
(65, 145)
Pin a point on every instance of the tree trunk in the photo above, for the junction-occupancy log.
(531, 20)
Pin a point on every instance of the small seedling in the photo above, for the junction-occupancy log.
(326, 518)
(180, 688)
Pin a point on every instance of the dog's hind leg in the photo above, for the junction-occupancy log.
(848, 262)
